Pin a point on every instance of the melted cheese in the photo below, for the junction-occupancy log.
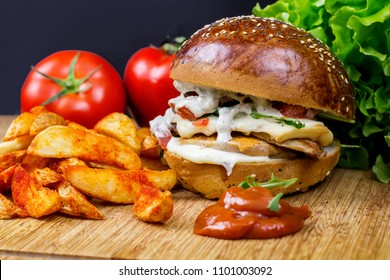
(280, 132)
(199, 154)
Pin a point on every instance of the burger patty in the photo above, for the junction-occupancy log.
(310, 148)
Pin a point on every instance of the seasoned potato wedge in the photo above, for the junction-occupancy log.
(163, 180)
(74, 203)
(8, 210)
(150, 147)
(118, 186)
(12, 158)
(6, 179)
(32, 162)
(79, 126)
(8, 163)
(120, 127)
(44, 120)
(29, 195)
(153, 205)
(65, 142)
(61, 165)
(21, 125)
(46, 176)
(19, 143)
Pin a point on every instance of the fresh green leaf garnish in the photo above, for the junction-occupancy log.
(270, 184)
(288, 121)
(292, 122)
(274, 203)
(277, 182)
(249, 182)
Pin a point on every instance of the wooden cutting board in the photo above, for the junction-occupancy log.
(350, 220)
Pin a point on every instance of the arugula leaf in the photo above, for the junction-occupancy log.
(358, 33)
(288, 121)
(274, 203)
(270, 184)
(277, 182)
(249, 182)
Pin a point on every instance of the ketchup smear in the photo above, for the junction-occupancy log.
(244, 214)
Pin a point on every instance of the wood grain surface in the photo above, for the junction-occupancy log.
(350, 220)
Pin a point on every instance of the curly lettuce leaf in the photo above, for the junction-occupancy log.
(382, 170)
(358, 33)
(309, 15)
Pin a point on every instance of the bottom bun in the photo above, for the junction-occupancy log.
(211, 180)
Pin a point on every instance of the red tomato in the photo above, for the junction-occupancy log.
(201, 122)
(87, 86)
(148, 84)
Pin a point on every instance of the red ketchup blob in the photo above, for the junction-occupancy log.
(244, 214)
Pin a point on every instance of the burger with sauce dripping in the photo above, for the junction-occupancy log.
(252, 94)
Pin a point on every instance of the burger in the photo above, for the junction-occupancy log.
(253, 92)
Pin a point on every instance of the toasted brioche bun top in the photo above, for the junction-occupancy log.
(266, 58)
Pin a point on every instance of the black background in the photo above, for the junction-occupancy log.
(114, 29)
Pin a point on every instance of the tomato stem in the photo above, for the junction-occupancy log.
(70, 84)
(55, 80)
(54, 97)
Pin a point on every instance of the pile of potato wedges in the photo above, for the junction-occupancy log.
(49, 165)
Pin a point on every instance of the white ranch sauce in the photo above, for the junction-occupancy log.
(234, 118)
